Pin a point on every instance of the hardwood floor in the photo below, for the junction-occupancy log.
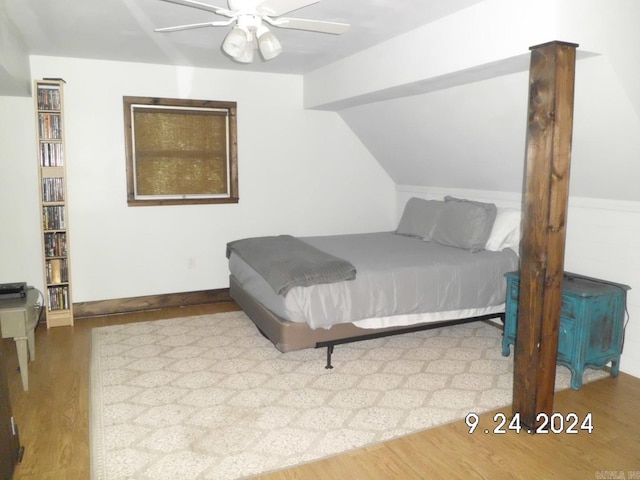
(53, 418)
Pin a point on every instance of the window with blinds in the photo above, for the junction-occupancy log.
(180, 151)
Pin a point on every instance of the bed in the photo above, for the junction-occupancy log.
(445, 263)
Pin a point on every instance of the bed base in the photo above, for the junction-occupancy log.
(289, 336)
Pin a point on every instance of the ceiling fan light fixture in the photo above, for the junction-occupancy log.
(249, 32)
(246, 56)
(270, 46)
(235, 42)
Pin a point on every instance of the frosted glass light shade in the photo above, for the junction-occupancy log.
(269, 45)
(235, 42)
(247, 55)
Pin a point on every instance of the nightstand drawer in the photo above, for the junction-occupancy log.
(569, 307)
(13, 324)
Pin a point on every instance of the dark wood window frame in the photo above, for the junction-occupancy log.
(210, 177)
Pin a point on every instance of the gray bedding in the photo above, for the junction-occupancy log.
(286, 262)
(397, 275)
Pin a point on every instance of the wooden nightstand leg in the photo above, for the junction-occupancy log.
(615, 367)
(31, 343)
(576, 378)
(23, 361)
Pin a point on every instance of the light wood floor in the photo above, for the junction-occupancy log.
(53, 421)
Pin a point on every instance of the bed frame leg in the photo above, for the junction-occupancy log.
(416, 328)
(329, 352)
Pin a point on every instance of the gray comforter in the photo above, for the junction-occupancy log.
(286, 262)
(397, 275)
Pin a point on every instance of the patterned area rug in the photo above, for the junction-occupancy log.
(207, 397)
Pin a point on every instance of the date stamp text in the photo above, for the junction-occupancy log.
(556, 423)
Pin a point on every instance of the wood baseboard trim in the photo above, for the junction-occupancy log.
(149, 302)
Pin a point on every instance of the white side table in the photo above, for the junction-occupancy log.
(18, 319)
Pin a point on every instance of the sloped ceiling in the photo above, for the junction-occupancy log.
(457, 116)
(474, 136)
(456, 137)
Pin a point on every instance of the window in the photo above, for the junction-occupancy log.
(180, 151)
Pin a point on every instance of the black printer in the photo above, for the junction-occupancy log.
(13, 290)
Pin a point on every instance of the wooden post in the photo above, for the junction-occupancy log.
(549, 130)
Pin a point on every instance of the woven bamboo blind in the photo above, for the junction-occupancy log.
(180, 152)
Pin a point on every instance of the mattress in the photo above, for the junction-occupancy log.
(400, 280)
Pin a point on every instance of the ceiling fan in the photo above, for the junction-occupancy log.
(250, 31)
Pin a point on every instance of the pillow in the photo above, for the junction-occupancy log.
(506, 230)
(464, 224)
(419, 217)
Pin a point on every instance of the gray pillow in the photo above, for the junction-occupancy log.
(464, 224)
(419, 217)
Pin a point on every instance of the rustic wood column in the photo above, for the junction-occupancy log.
(549, 130)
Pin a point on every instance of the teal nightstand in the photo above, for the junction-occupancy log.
(591, 327)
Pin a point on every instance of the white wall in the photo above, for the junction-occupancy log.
(20, 244)
(300, 172)
(602, 241)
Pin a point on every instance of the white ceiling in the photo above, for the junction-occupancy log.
(123, 30)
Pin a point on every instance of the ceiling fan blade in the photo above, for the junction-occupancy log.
(321, 26)
(194, 25)
(203, 6)
(275, 8)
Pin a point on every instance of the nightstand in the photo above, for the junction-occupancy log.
(18, 319)
(591, 327)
